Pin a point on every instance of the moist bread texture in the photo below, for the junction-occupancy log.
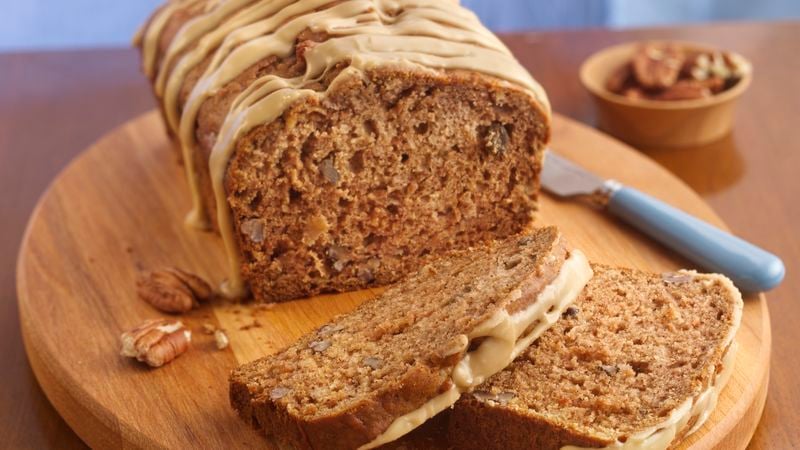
(344, 385)
(639, 359)
(420, 136)
(389, 168)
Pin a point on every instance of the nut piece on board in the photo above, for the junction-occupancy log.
(156, 342)
(172, 290)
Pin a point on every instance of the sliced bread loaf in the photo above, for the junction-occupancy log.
(636, 362)
(373, 375)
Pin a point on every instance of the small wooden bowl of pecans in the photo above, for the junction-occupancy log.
(665, 94)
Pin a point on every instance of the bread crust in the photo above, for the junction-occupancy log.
(474, 426)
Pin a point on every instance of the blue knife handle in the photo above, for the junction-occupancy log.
(751, 268)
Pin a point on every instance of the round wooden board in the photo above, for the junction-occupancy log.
(119, 208)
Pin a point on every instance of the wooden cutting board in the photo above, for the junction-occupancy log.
(119, 208)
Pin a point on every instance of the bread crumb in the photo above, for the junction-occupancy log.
(221, 339)
(253, 324)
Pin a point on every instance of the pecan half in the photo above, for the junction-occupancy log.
(657, 67)
(172, 290)
(156, 342)
(620, 78)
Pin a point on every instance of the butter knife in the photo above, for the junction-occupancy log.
(751, 268)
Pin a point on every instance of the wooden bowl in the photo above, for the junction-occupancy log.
(657, 123)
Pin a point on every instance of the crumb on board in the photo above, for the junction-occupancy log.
(221, 339)
(253, 324)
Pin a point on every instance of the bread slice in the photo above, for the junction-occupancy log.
(636, 362)
(336, 145)
(372, 375)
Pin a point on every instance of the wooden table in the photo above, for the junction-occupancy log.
(53, 105)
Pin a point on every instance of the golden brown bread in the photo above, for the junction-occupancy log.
(356, 380)
(638, 358)
(405, 135)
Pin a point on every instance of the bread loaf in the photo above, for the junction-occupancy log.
(338, 145)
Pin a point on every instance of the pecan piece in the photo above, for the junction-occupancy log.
(697, 66)
(483, 395)
(156, 342)
(685, 90)
(372, 361)
(339, 257)
(320, 346)
(620, 79)
(327, 330)
(172, 290)
(512, 262)
(657, 67)
(609, 369)
(328, 171)
(279, 392)
(253, 229)
(677, 277)
(738, 66)
(367, 274)
(501, 398)
(496, 138)
(505, 397)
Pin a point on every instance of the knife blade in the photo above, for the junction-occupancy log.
(751, 268)
(566, 179)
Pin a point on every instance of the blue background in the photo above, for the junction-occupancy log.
(57, 24)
